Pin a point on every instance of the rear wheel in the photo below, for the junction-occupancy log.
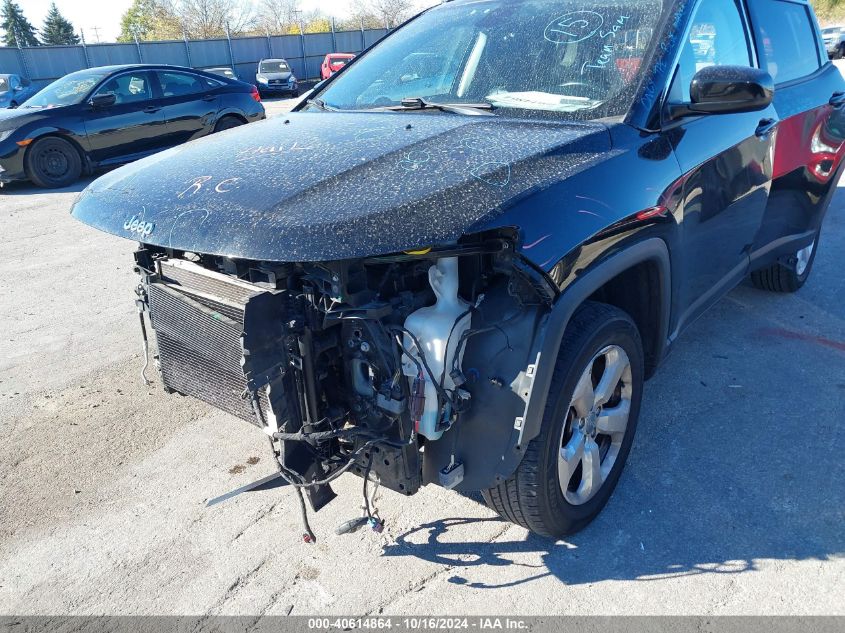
(227, 123)
(789, 275)
(571, 468)
(52, 162)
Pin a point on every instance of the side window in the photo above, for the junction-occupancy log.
(717, 38)
(786, 39)
(128, 88)
(179, 84)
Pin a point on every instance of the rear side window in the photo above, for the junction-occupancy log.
(786, 39)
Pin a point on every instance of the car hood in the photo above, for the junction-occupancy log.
(282, 76)
(13, 119)
(327, 186)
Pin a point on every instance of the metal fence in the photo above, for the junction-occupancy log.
(305, 54)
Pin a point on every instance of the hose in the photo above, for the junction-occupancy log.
(146, 349)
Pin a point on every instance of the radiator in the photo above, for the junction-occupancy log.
(198, 319)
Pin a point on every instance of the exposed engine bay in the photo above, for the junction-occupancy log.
(406, 369)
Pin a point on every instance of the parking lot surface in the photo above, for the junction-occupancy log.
(733, 500)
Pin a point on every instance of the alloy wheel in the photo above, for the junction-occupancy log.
(595, 427)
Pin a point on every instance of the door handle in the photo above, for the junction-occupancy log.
(837, 100)
(766, 127)
(208, 98)
(152, 109)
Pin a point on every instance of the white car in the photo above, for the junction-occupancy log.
(834, 41)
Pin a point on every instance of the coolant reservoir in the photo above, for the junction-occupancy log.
(432, 327)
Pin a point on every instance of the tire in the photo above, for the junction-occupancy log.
(790, 274)
(227, 123)
(840, 52)
(52, 162)
(533, 496)
(13, 105)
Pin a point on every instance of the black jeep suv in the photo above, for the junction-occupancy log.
(460, 259)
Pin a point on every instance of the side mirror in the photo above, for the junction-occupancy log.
(727, 90)
(104, 100)
(18, 88)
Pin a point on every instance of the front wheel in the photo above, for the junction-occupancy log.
(571, 468)
(52, 162)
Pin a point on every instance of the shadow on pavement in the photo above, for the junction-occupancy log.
(712, 522)
(27, 188)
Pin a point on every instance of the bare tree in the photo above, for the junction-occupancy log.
(277, 16)
(210, 18)
(392, 13)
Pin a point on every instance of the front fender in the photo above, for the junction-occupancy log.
(514, 365)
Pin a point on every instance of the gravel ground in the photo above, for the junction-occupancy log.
(732, 501)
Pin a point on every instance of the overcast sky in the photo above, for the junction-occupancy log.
(98, 17)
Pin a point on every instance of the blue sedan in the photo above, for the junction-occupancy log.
(14, 90)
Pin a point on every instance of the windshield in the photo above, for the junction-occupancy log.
(274, 67)
(68, 90)
(4, 84)
(583, 59)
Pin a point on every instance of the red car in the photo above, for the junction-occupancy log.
(333, 63)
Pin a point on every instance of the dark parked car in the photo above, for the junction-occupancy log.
(487, 268)
(275, 76)
(115, 114)
(223, 72)
(14, 90)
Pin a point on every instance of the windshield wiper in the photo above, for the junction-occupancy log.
(319, 103)
(418, 103)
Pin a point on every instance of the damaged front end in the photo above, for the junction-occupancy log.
(406, 369)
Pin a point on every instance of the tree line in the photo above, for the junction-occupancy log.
(202, 19)
(17, 28)
(829, 10)
(152, 20)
